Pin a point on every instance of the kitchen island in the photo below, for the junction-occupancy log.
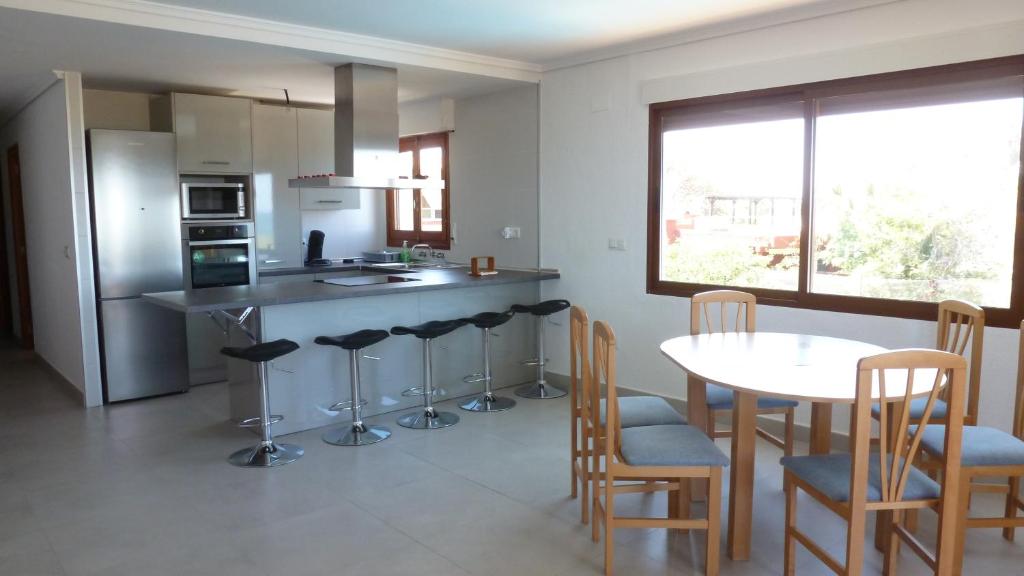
(298, 307)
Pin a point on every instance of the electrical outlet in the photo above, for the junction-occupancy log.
(511, 232)
(616, 244)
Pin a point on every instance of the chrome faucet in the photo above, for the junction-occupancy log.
(425, 255)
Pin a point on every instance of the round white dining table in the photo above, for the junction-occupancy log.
(817, 369)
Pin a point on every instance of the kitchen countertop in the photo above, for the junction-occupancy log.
(233, 297)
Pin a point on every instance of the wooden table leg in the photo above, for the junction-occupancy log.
(696, 416)
(821, 428)
(741, 474)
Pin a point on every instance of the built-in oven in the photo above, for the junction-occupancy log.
(213, 201)
(218, 254)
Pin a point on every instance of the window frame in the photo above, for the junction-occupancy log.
(440, 240)
(809, 94)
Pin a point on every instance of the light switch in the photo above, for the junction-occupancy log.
(616, 244)
(511, 232)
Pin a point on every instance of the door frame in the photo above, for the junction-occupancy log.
(20, 247)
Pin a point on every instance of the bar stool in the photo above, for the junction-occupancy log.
(358, 434)
(487, 402)
(428, 418)
(539, 388)
(267, 453)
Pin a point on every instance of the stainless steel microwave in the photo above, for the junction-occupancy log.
(213, 200)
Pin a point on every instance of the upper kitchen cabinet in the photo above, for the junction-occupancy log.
(316, 156)
(214, 134)
(275, 160)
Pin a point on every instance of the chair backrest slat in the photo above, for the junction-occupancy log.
(898, 448)
(604, 372)
(702, 311)
(1018, 409)
(581, 400)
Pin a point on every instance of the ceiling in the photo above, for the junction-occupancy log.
(119, 57)
(258, 48)
(538, 31)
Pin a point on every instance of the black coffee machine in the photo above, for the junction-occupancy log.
(315, 249)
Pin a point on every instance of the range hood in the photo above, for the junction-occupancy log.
(365, 132)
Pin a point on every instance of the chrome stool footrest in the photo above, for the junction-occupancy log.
(534, 362)
(344, 405)
(474, 378)
(418, 391)
(256, 421)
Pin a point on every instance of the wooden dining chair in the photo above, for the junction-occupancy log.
(959, 324)
(987, 452)
(667, 457)
(719, 399)
(851, 485)
(586, 437)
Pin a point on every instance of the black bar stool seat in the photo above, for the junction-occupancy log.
(428, 330)
(489, 319)
(539, 388)
(354, 341)
(428, 418)
(358, 433)
(487, 402)
(264, 352)
(546, 308)
(267, 453)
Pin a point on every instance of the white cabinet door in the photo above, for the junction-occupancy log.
(316, 156)
(214, 134)
(275, 160)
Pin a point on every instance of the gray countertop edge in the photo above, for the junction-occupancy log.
(234, 297)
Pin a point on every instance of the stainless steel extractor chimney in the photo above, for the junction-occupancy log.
(365, 132)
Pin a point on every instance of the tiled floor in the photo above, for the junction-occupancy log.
(143, 488)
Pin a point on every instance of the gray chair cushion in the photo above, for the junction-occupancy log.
(644, 411)
(719, 398)
(669, 445)
(917, 409)
(982, 446)
(830, 473)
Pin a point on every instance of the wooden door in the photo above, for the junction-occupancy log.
(20, 248)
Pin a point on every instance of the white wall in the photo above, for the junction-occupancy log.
(493, 171)
(349, 232)
(593, 170)
(50, 138)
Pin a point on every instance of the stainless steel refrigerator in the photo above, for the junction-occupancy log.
(137, 249)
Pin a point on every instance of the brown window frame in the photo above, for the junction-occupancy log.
(809, 94)
(439, 240)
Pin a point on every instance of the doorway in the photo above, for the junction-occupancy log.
(20, 252)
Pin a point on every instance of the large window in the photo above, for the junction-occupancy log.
(880, 195)
(421, 215)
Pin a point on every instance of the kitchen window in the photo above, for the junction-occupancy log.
(421, 215)
(877, 195)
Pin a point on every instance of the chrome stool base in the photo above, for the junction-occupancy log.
(354, 436)
(540, 391)
(422, 420)
(488, 403)
(266, 456)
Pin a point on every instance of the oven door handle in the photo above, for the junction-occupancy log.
(235, 242)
